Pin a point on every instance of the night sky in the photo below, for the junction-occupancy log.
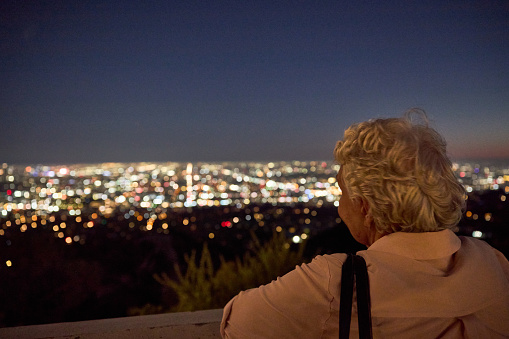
(108, 81)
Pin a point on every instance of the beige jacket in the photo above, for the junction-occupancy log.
(423, 285)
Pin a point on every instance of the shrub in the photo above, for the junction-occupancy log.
(202, 287)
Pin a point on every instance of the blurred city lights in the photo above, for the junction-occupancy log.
(143, 195)
(477, 234)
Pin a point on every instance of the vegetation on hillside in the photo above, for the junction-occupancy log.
(204, 287)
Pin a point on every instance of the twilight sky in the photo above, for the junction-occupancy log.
(107, 81)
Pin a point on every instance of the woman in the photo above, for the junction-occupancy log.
(400, 198)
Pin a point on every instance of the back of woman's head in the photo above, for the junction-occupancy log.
(401, 169)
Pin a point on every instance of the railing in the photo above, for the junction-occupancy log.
(183, 325)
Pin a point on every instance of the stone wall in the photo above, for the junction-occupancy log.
(183, 325)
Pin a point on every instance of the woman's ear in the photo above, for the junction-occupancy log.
(364, 205)
(368, 217)
(368, 220)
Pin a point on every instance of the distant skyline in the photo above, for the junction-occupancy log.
(131, 81)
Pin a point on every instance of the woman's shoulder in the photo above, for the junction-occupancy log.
(474, 246)
(482, 252)
(334, 260)
(325, 266)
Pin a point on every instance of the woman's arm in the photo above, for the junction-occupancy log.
(295, 305)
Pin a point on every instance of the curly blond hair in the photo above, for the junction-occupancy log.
(401, 170)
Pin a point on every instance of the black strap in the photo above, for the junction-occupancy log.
(345, 307)
(355, 265)
(363, 297)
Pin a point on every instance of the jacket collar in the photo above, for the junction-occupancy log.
(419, 246)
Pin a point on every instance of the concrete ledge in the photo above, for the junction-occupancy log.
(185, 325)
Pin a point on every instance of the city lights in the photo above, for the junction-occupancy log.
(477, 234)
(144, 195)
